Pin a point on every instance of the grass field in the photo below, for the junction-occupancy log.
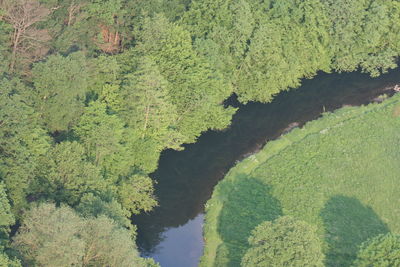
(340, 173)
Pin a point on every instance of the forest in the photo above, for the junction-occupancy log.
(92, 91)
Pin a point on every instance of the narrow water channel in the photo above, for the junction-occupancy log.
(172, 233)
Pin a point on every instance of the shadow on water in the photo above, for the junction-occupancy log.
(347, 224)
(248, 204)
(185, 179)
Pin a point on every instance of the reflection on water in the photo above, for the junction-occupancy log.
(186, 241)
(185, 179)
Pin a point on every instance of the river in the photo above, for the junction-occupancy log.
(172, 233)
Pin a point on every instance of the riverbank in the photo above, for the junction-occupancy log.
(339, 173)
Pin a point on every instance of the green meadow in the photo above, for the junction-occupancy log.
(339, 173)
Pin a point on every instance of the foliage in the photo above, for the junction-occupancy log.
(136, 193)
(6, 217)
(102, 137)
(92, 91)
(60, 82)
(58, 236)
(65, 174)
(323, 174)
(105, 205)
(284, 242)
(382, 251)
(23, 142)
(195, 90)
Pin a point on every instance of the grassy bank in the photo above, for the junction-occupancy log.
(340, 173)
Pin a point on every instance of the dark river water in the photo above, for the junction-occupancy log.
(172, 233)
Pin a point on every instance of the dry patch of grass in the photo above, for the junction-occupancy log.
(396, 111)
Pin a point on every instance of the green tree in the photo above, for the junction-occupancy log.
(51, 236)
(222, 31)
(284, 242)
(147, 106)
(102, 136)
(96, 206)
(289, 43)
(7, 262)
(346, 29)
(66, 174)
(6, 217)
(23, 142)
(380, 41)
(136, 193)
(194, 87)
(380, 251)
(6, 220)
(60, 88)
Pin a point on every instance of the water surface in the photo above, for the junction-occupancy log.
(172, 233)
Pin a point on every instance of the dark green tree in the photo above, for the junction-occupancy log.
(66, 175)
(60, 88)
(105, 205)
(23, 142)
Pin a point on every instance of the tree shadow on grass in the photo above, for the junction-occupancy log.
(248, 203)
(348, 223)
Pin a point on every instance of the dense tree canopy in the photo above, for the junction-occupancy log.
(92, 91)
(51, 236)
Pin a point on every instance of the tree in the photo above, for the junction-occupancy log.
(6, 221)
(22, 143)
(136, 193)
(66, 175)
(380, 251)
(51, 236)
(290, 42)
(346, 30)
(6, 217)
(102, 137)
(222, 31)
(284, 242)
(7, 262)
(147, 106)
(105, 205)
(27, 40)
(196, 90)
(60, 82)
(380, 38)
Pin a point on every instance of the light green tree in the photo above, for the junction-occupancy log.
(147, 106)
(284, 242)
(289, 43)
(102, 136)
(136, 193)
(194, 88)
(380, 251)
(51, 236)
